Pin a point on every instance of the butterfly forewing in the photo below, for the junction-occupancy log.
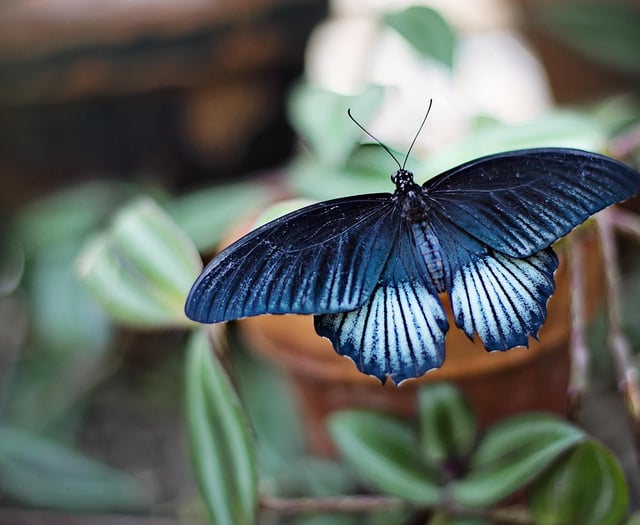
(324, 258)
(520, 202)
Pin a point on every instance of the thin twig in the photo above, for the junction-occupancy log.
(516, 515)
(624, 221)
(18, 516)
(626, 372)
(578, 346)
(625, 144)
(341, 504)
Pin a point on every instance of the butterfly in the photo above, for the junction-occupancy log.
(370, 268)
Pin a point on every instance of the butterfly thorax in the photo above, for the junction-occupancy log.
(409, 196)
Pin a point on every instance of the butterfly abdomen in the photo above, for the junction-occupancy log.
(431, 250)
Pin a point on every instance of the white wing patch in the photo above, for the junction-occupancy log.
(502, 298)
(399, 333)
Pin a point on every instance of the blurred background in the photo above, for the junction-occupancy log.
(201, 106)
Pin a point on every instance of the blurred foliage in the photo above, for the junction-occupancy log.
(222, 449)
(526, 450)
(137, 260)
(367, 168)
(62, 358)
(44, 473)
(606, 32)
(132, 286)
(427, 32)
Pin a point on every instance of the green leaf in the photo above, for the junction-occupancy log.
(206, 216)
(443, 519)
(152, 242)
(11, 263)
(141, 269)
(604, 32)
(221, 443)
(368, 170)
(64, 316)
(320, 117)
(307, 476)
(271, 409)
(67, 215)
(511, 454)
(281, 208)
(447, 428)
(559, 129)
(586, 487)
(43, 473)
(384, 452)
(634, 519)
(426, 30)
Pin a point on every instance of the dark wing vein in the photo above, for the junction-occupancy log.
(520, 202)
(321, 259)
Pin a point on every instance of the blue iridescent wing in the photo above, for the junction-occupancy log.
(324, 258)
(399, 332)
(501, 298)
(520, 202)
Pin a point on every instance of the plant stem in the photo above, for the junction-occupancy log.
(626, 372)
(624, 145)
(578, 347)
(624, 221)
(517, 515)
(342, 504)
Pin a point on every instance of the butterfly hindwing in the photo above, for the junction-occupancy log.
(520, 202)
(501, 298)
(324, 258)
(399, 332)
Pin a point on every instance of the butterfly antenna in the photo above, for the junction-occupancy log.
(417, 134)
(374, 138)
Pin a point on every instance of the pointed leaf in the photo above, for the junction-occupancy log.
(444, 519)
(11, 264)
(426, 30)
(141, 269)
(586, 487)
(560, 128)
(634, 519)
(511, 454)
(221, 443)
(206, 216)
(605, 32)
(68, 215)
(37, 471)
(384, 452)
(368, 170)
(272, 412)
(446, 424)
(150, 240)
(320, 117)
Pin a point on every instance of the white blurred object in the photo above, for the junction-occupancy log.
(479, 15)
(495, 73)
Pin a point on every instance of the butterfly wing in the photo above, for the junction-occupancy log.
(501, 298)
(399, 332)
(520, 202)
(324, 258)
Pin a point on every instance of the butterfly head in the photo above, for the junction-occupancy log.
(403, 179)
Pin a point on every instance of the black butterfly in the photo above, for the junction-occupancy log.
(370, 267)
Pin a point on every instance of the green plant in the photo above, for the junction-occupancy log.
(239, 416)
(439, 465)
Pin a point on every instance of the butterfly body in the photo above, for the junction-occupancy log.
(371, 267)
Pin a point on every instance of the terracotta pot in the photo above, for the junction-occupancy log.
(497, 384)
